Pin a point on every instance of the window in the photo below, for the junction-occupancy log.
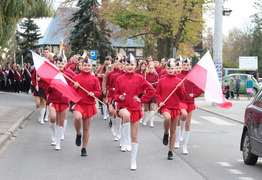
(243, 78)
(258, 101)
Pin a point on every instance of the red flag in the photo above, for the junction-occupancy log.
(204, 75)
(51, 74)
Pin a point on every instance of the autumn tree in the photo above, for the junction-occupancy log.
(171, 24)
(236, 44)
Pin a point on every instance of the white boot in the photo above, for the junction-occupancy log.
(122, 132)
(145, 118)
(59, 133)
(63, 135)
(46, 114)
(42, 116)
(177, 137)
(123, 138)
(182, 130)
(141, 120)
(133, 155)
(127, 136)
(152, 119)
(113, 128)
(118, 128)
(53, 137)
(105, 112)
(39, 111)
(186, 137)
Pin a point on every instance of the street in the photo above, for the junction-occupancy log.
(213, 151)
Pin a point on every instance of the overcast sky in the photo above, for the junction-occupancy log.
(240, 16)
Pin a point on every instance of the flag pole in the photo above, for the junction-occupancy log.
(166, 99)
(83, 88)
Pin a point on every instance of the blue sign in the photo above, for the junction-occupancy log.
(93, 54)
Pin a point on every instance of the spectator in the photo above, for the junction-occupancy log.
(232, 87)
(237, 86)
(249, 87)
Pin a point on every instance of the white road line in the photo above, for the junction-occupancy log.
(195, 122)
(225, 164)
(245, 178)
(235, 171)
(216, 121)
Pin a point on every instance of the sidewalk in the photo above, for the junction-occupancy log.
(236, 112)
(10, 120)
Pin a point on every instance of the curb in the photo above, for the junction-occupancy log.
(9, 133)
(216, 113)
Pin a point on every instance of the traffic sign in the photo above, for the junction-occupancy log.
(93, 54)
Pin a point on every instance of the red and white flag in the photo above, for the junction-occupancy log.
(51, 74)
(204, 75)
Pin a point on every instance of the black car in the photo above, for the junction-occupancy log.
(251, 140)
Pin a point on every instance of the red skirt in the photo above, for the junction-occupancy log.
(87, 110)
(135, 115)
(173, 112)
(59, 107)
(188, 106)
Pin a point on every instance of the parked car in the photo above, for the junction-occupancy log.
(243, 81)
(251, 140)
(260, 82)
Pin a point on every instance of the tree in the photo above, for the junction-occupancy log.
(12, 11)
(236, 44)
(88, 32)
(256, 41)
(29, 37)
(171, 24)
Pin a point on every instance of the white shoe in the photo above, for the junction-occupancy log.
(182, 130)
(59, 134)
(53, 136)
(152, 119)
(133, 155)
(178, 131)
(105, 112)
(145, 118)
(186, 137)
(42, 122)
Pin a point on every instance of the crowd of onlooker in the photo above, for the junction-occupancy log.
(231, 88)
(14, 78)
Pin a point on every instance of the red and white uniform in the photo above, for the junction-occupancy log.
(132, 85)
(164, 88)
(86, 106)
(109, 84)
(188, 103)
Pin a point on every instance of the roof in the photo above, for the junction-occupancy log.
(51, 37)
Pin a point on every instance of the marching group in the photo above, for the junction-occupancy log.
(130, 90)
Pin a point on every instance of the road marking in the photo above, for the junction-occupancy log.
(235, 171)
(240, 160)
(216, 121)
(195, 122)
(225, 164)
(245, 178)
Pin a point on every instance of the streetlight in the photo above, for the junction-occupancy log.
(227, 12)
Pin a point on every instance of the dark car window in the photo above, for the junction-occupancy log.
(258, 101)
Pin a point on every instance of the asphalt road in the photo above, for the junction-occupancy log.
(213, 151)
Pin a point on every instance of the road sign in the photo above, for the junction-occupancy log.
(93, 54)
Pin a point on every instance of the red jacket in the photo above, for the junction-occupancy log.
(165, 87)
(152, 78)
(132, 85)
(159, 69)
(190, 88)
(54, 95)
(41, 83)
(109, 82)
(162, 74)
(90, 83)
(140, 73)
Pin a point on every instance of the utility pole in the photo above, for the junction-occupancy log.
(217, 54)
